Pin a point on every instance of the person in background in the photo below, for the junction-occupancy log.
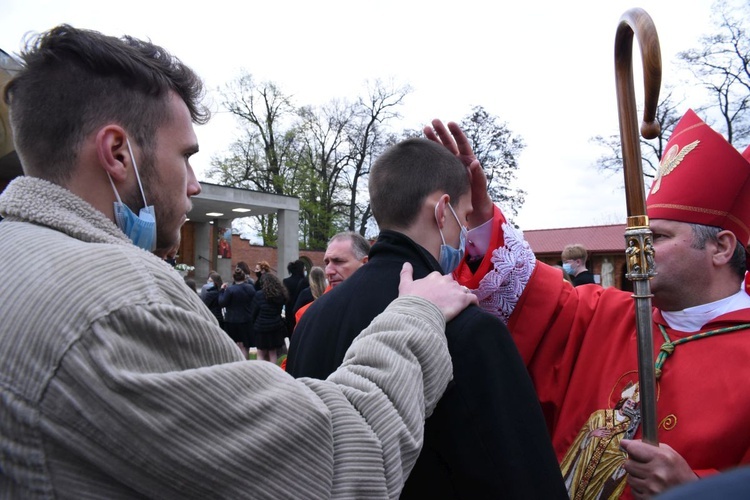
(261, 269)
(318, 287)
(296, 270)
(126, 387)
(269, 328)
(698, 210)
(565, 275)
(190, 282)
(211, 297)
(208, 284)
(574, 263)
(487, 437)
(237, 300)
(248, 273)
(346, 252)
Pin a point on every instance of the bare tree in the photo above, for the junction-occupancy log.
(365, 141)
(497, 149)
(667, 114)
(260, 160)
(323, 154)
(322, 145)
(720, 63)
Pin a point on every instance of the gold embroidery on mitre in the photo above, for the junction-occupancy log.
(671, 159)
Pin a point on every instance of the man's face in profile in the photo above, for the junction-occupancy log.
(340, 261)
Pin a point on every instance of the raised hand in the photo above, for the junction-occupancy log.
(454, 139)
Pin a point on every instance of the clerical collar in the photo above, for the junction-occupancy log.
(692, 319)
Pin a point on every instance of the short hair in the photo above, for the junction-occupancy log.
(191, 283)
(317, 279)
(296, 268)
(360, 246)
(74, 81)
(574, 251)
(703, 234)
(216, 278)
(406, 173)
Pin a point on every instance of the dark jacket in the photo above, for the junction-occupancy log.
(734, 483)
(266, 314)
(305, 297)
(237, 299)
(211, 299)
(292, 287)
(583, 278)
(487, 437)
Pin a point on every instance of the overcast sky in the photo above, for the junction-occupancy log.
(545, 67)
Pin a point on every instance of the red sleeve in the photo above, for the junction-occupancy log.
(558, 327)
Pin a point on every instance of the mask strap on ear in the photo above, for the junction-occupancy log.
(137, 176)
(114, 188)
(438, 224)
(456, 216)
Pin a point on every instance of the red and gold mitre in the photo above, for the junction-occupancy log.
(702, 179)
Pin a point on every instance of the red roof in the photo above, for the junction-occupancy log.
(596, 239)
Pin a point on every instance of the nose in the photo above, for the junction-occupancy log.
(330, 270)
(193, 186)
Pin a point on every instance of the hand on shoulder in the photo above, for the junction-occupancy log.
(442, 290)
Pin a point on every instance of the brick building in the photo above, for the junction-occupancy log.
(605, 246)
(243, 250)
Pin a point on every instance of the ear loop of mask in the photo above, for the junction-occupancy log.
(137, 176)
(458, 221)
(438, 222)
(461, 226)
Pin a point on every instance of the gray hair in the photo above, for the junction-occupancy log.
(703, 234)
(360, 246)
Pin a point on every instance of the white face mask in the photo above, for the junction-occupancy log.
(141, 228)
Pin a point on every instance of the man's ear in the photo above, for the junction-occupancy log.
(441, 208)
(726, 243)
(112, 152)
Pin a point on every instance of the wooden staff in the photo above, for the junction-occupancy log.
(638, 239)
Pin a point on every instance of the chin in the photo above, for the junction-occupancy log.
(167, 249)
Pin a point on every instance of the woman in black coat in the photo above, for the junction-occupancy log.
(237, 301)
(269, 327)
(296, 271)
(211, 297)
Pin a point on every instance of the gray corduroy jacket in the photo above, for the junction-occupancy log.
(117, 382)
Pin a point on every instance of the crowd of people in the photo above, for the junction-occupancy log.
(442, 361)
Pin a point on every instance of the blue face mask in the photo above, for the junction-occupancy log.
(568, 268)
(451, 257)
(141, 229)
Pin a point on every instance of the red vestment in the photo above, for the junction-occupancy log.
(580, 347)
